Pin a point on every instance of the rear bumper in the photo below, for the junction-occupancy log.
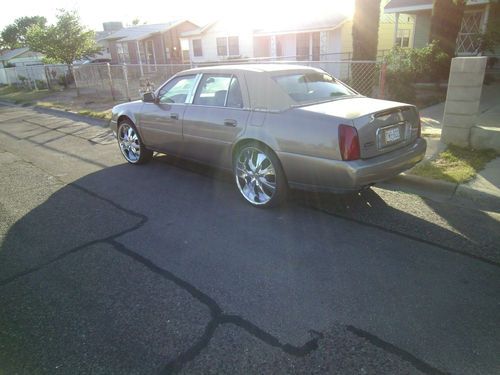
(311, 173)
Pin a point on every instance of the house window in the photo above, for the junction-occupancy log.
(228, 46)
(197, 51)
(302, 50)
(234, 45)
(122, 51)
(472, 25)
(150, 54)
(221, 46)
(403, 38)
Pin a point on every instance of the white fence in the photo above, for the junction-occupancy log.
(128, 82)
(34, 77)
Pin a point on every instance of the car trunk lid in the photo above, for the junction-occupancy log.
(382, 125)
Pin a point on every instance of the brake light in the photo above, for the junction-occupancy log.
(419, 129)
(349, 142)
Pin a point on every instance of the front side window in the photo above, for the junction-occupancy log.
(177, 90)
(219, 91)
(221, 46)
(311, 87)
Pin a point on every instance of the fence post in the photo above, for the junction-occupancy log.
(46, 70)
(383, 71)
(34, 79)
(75, 74)
(110, 81)
(125, 76)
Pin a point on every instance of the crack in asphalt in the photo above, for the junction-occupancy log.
(403, 354)
(217, 317)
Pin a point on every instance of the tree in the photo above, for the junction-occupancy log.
(446, 21)
(364, 43)
(14, 35)
(490, 40)
(66, 41)
(365, 29)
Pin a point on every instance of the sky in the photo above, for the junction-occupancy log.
(94, 12)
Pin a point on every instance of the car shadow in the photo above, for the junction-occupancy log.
(188, 219)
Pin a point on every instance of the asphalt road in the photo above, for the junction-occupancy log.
(111, 268)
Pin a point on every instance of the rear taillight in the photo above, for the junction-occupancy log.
(349, 142)
(419, 129)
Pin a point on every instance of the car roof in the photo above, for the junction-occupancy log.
(264, 92)
(254, 68)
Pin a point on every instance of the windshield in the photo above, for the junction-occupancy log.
(312, 87)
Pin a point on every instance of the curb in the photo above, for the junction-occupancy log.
(488, 200)
(95, 121)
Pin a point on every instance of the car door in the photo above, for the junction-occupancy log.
(161, 122)
(215, 119)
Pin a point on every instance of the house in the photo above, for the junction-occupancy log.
(219, 40)
(319, 36)
(474, 22)
(20, 57)
(148, 44)
(108, 28)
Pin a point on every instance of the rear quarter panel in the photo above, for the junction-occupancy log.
(304, 133)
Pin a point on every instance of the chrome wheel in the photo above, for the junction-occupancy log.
(255, 175)
(130, 145)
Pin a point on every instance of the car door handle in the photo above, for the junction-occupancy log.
(174, 116)
(230, 122)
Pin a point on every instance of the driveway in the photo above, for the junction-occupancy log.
(111, 268)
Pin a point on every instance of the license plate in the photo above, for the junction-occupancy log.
(392, 135)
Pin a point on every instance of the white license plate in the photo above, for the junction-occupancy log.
(392, 135)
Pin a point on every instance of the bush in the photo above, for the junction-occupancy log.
(406, 66)
(41, 84)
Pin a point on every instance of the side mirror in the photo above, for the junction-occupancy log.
(148, 97)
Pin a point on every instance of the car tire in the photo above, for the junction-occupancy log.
(131, 145)
(259, 176)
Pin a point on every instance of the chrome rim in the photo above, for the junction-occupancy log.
(255, 176)
(129, 143)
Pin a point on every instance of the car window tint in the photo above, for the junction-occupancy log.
(311, 87)
(212, 90)
(177, 90)
(234, 98)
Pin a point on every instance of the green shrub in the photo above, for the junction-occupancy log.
(406, 66)
(41, 84)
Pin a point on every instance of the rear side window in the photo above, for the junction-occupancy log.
(219, 91)
(311, 87)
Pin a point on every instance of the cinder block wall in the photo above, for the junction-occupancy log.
(462, 99)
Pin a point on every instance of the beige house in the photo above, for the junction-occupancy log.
(475, 20)
(325, 36)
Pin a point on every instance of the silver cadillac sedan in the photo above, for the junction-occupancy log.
(273, 126)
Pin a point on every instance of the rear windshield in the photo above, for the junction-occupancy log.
(312, 87)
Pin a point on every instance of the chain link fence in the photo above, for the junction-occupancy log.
(122, 82)
(35, 77)
(128, 82)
